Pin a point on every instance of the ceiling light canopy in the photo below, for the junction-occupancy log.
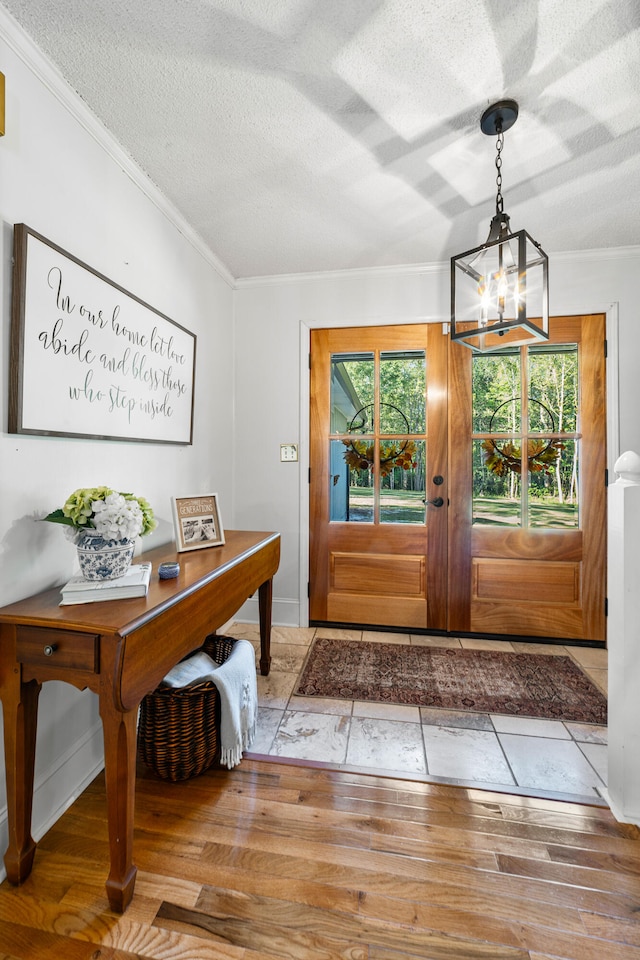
(500, 290)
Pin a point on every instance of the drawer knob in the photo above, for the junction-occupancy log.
(50, 649)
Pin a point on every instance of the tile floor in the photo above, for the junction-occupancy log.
(542, 758)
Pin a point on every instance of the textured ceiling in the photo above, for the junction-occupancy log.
(304, 135)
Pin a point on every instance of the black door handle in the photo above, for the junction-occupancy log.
(437, 502)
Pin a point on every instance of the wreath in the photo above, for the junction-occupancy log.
(360, 454)
(542, 455)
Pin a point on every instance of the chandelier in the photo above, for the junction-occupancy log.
(500, 290)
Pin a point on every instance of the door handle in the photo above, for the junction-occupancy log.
(436, 502)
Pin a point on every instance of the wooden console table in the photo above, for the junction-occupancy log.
(120, 649)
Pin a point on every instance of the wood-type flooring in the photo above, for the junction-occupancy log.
(279, 861)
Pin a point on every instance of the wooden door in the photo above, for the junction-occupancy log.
(518, 545)
(527, 454)
(378, 551)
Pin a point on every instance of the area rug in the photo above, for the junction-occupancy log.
(480, 681)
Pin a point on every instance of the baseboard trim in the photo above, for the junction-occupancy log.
(619, 814)
(285, 613)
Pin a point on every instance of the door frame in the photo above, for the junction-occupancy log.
(612, 412)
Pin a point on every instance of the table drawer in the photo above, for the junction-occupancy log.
(38, 646)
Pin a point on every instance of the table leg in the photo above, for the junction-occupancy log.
(120, 733)
(20, 708)
(265, 596)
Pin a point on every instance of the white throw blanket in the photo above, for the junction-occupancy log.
(236, 682)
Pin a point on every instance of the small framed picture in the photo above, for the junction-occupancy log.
(197, 522)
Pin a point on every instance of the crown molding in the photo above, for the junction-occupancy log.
(355, 273)
(602, 253)
(418, 269)
(49, 75)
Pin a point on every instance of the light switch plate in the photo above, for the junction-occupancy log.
(288, 452)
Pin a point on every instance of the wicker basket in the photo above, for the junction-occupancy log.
(178, 728)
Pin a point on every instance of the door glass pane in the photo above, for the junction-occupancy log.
(541, 416)
(402, 481)
(553, 488)
(553, 385)
(352, 392)
(553, 462)
(526, 400)
(496, 392)
(497, 409)
(383, 448)
(402, 392)
(350, 483)
(496, 482)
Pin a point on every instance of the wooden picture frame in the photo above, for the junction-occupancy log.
(197, 522)
(90, 359)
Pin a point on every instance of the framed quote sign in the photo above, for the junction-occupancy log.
(197, 522)
(89, 359)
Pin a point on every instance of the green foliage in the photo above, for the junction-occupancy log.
(550, 379)
(57, 516)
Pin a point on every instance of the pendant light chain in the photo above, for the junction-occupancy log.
(499, 146)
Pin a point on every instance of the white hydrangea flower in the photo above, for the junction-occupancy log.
(116, 518)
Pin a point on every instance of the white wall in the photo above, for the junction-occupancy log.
(65, 178)
(273, 319)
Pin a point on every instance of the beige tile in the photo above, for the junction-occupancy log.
(312, 736)
(266, 729)
(435, 717)
(596, 754)
(451, 643)
(338, 634)
(599, 677)
(380, 637)
(275, 690)
(287, 657)
(300, 636)
(473, 643)
(248, 631)
(386, 711)
(546, 764)
(590, 657)
(530, 727)
(338, 708)
(386, 745)
(545, 649)
(473, 755)
(587, 732)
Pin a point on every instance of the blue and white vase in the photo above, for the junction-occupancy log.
(102, 559)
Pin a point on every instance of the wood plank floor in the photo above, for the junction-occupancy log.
(273, 861)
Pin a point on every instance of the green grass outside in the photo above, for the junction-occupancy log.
(406, 506)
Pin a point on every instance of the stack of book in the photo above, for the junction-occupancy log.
(134, 583)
